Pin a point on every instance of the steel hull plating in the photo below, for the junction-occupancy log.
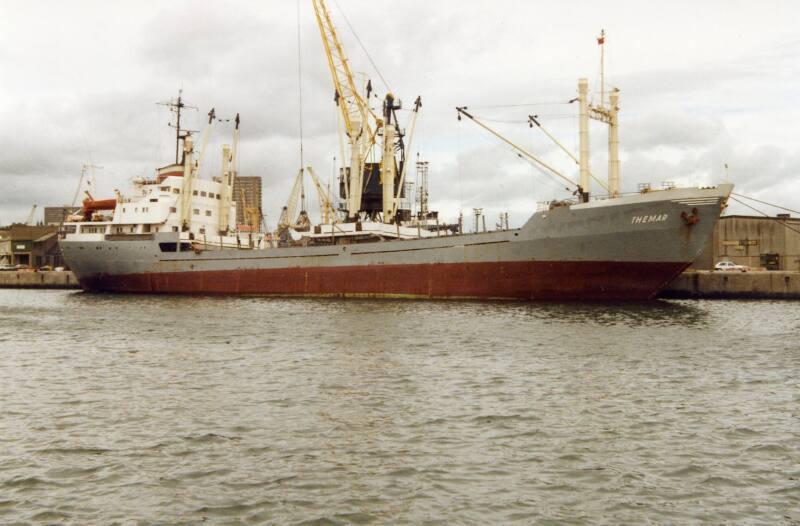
(622, 249)
(512, 280)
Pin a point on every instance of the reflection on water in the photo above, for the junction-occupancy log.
(256, 410)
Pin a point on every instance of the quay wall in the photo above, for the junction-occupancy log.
(38, 280)
(770, 284)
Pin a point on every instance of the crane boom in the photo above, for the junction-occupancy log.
(354, 109)
(525, 154)
(326, 209)
(290, 218)
(29, 219)
(358, 120)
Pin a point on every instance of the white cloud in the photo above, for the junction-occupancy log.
(703, 84)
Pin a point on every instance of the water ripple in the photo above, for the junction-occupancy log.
(152, 410)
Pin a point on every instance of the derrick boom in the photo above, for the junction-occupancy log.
(357, 117)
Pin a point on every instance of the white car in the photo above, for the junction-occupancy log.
(730, 266)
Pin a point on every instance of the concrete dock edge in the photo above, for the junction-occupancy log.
(38, 280)
(766, 284)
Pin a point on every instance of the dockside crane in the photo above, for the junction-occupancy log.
(290, 218)
(326, 210)
(362, 126)
(29, 219)
(251, 214)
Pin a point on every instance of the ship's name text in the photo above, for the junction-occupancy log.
(656, 218)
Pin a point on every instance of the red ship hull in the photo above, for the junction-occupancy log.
(524, 280)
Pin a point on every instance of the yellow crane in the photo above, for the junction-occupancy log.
(326, 210)
(359, 121)
(252, 217)
(362, 126)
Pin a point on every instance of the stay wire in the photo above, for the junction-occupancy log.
(300, 82)
(522, 105)
(460, 180)
(765, 203)
(778, 219)
(300, 108)
(363, 48)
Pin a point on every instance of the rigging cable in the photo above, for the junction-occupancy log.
(300, 107)
(364, 49)
(520, 105)
(460, 180)
(765, 203)
(778, 219)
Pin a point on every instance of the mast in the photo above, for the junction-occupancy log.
(583, 137)
(230, 160)
(601, 40)
(388, 166)
(176, 107)
(613, 144)
(608, 115)
(404, 149)
(422, 178)
(225, 191)
(186, 187)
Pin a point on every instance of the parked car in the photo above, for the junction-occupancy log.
(730, 266)
(7, 267)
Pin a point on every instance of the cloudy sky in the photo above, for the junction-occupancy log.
(702, 84)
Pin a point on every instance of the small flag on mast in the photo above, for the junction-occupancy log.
(602, 38)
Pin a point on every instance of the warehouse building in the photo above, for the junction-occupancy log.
(772, 243)
(56, 215)
(30, 246)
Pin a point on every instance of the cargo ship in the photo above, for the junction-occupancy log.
(177, 233)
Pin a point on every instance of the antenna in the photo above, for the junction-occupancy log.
(176, 106)
(84, 170)
(601, 40)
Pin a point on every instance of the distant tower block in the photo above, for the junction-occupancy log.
(251, 187)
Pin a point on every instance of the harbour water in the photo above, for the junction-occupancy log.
(182, 410)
